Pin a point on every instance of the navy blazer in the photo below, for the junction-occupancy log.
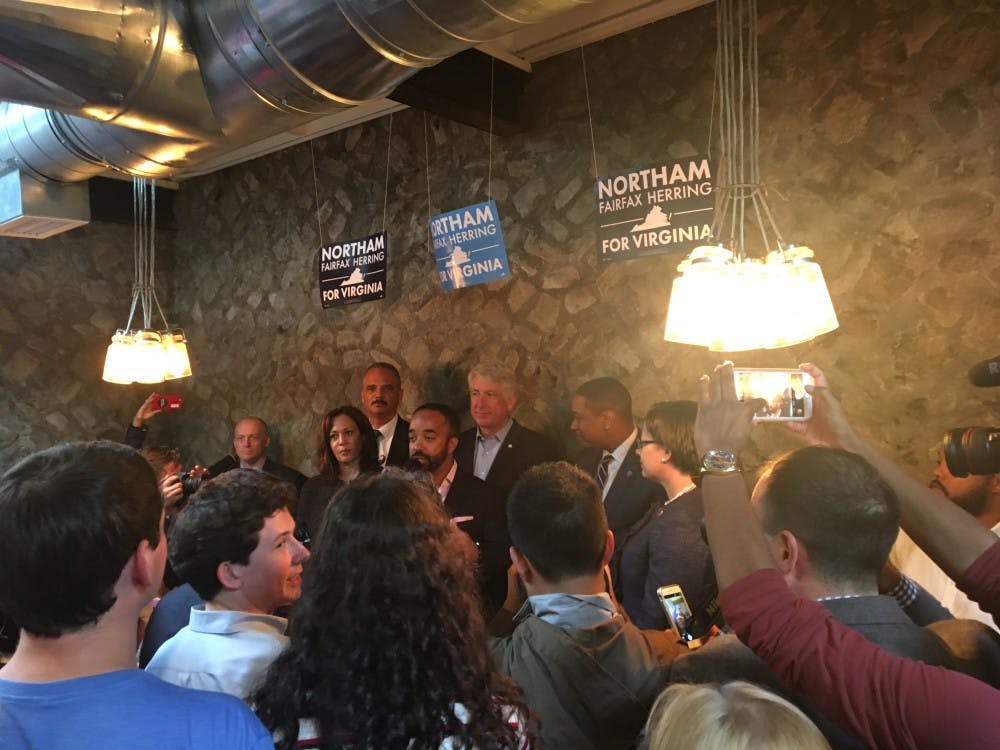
(522, 449)
(630, 495)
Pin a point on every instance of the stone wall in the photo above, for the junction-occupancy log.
(879, 122)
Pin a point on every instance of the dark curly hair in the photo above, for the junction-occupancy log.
(326, 462)
(388, 634)
(222, 523)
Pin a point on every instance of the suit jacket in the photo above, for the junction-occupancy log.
(962, 645)
(399, 451)
(282, 472)
(630, 495)
(522, 449)
(470, 496)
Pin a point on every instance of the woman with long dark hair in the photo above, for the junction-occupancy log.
(388, 646)
(346, 447)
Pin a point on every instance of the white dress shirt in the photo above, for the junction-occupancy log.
(221, 650)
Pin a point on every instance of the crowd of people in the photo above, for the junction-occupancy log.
(437, 588)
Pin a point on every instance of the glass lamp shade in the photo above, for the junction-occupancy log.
(147, 358)
(176, 363)
(118, 361)
(730, 305)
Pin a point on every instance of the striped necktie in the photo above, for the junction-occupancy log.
(602, 470)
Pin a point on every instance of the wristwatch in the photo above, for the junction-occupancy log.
(719, 462)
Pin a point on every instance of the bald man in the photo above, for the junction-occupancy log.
(250, 441)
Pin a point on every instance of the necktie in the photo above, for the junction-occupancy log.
(381, 447)
(602, 470)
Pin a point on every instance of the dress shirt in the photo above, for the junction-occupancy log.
(385, 433)
(487, 449)
(257, 466)
(617, 458)
(446, 482)
(915, 564)
(222, 650)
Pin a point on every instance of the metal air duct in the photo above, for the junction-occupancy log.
(156, 87)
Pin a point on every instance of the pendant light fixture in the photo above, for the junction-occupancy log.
(724, 299)
(145, 355)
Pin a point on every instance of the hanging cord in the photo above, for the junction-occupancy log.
(489, 181)
(590, 116)
(152, 252)
(427, 173)
(319, 224)
(136, 259)
(388, 154)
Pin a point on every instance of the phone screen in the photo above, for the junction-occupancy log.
(676, 606)
(783, 391)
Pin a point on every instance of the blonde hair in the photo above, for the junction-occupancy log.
(733, 716)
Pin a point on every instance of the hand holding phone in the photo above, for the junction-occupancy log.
(678, 613)
(784, 392)
(165, 402)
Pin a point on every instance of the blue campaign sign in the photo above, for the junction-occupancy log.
(468, 246)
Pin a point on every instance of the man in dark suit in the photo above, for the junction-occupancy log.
(381, 391)
(830, 521)
(602, 420)
(250, 440)
(478, 510)
(498, 450)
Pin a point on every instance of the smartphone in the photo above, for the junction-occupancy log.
(166, 402)
(783, 391)
(678, 612)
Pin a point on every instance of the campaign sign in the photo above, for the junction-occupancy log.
(663, 209)
(468, 246)
(353, 271)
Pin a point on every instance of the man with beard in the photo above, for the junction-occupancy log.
(434, 430)
(979, 495)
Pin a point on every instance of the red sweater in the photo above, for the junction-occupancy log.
(887, 701)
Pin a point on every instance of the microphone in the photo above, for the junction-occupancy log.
(985, 374)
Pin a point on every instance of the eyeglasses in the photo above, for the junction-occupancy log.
(644, 443)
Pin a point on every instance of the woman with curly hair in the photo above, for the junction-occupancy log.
(346, 447)
(388, 646)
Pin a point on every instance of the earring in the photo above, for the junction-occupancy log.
(664, 460)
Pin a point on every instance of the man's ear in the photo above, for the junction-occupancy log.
(787, 552)
(452, 444)
(229, 575)
(609, 548)
(522, 566)
(607, 418)
(511, 402)
(145, 571)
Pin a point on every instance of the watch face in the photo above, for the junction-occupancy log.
(719, 460)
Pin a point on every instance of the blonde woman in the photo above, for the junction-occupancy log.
(733, 716)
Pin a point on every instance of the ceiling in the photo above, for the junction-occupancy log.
(584, 25)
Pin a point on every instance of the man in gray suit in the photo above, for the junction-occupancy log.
(830, 521)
